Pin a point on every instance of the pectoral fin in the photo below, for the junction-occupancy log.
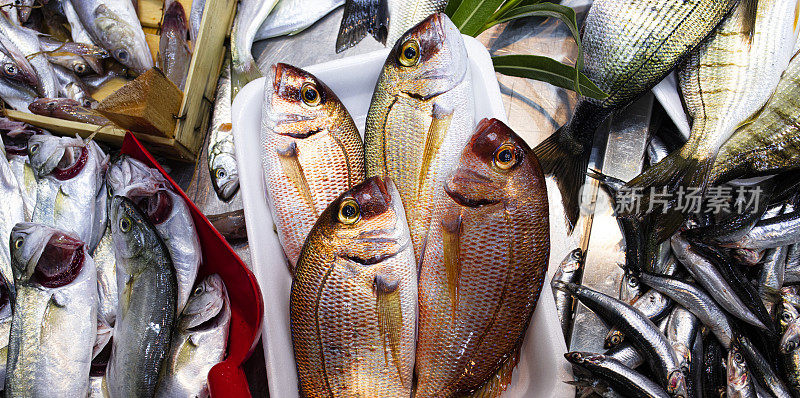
(440, 123)
(390, 316)
(292, 168)
(451, 245)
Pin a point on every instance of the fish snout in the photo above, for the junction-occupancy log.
(471, 189)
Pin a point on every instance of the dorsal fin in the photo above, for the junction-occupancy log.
(749, 14)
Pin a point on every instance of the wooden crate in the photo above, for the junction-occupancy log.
(204, 70)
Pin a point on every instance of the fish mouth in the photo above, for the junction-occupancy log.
(157, 207)
(227, 189)
(468, 178)
(68, 170)
(381, 257)
(60, 261)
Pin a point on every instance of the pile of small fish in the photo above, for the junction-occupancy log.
(98, 289)
(56, 54)
(432, 214)
(709, 302)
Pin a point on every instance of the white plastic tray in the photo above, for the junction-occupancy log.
(542, 369)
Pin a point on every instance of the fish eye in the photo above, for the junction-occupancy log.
(576, 357)
(349, 211)
(738, 357)
(33, 149)
(18, 242)
(505, 157)
(125, 224)
(122, 55)
(310, 95)
(409, 53)
(79, 68)
(633, 281)
(786, 316)
(615, 339)
(198, 290)
(10, 69)
(220, 174)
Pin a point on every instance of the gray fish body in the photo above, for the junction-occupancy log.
(198, 342)
(569, 272)
(174, 54)
(740, 383)
(70, 172)
(76, 28)
(54, 327)
(12, 211)
(196, 18)
(106, 264)
(147, 303)
(249, 17)
(772, 272)
(768, 233)
(290, 17)
(620, 377)
(627, 355)
(221, 149)
(72, 87)
(707, 275)
(16, 95)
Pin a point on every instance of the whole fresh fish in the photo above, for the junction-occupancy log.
(80, 58)
(312, 152)
(652, 304)
(55, 310)
(198, 342)
(483, 268)
(570, 270)
(12, 210)
(421, 117)
(15, 95)
(620, 377)
(78, 32)
(740, 384)
(788, 316)
(174, 54)
(67, 109)
(290, 17)
(16, 146)
(70, 173)
(772, 273)
(642, 333)
(196, 18)
(5, 325)
(626, 53)
(708, 276)
(147, 303)
(769, 233)
(167, 211)
(405, 14)
(696, 301)
(771, 142)
(22, 45)
(106, 264)
(72, 87)
(249, 16)
(361, 17)
(354, 298)
(761, 369)
(222, 164)
(727, 80)
(16, 71)
(113, 24)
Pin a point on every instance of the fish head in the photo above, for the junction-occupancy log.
(630, 289)
(129, 177)
(133, 234)
(738, 376)
(122, 40)
(676, 384)
(298, 105)
(62, 157)
(15, 137)
(21, 72)
(76, 63)
(787, 315)
(496, 166)
(24, 8)
(366, 224)
(224, 175)
(790, 340)
(430, 59)
(207, 305)
(613, 339)
(46, 256)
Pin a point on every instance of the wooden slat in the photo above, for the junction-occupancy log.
(150, 12)
(204, 72)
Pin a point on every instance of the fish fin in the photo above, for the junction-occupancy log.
(294, 170)
(749, 18)
(380, 20)
(353, 28)
(499, 381)
(390, 317)
(568, 169)
(440, 123)
(451, 242)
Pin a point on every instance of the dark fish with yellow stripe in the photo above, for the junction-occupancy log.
(312, 152)
(483, 267)
(354, 298)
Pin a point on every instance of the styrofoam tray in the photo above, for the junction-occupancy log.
(542, 369)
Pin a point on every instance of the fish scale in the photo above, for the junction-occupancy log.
(404, 14)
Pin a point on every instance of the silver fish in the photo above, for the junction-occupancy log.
(167, 211)
(249, 16)
(290, 17)
(70, 173)
(113, 24)
(174, 54)
(772, 274)
(196, 18)
(72, 87)
(569, 270)
(55, 310)
(76, 28)
(781, 230)
(106, 264)
(221, 151)
(627, 355)
(622, 378)
(22, 44)
(17, 154)
(681, 329)
(147, 301)
(5, 325)
(198, 342)
(740, 384)
(12, 210)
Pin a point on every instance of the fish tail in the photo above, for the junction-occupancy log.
(499, 381)
(390, 319)
(354, 24)
(380, 21)
(569, 170)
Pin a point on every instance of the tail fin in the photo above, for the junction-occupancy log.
(380, 21)
(569, 170)
(362, 17)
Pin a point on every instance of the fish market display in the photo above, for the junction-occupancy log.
(55, 308)
(354, 298)
(174, 53)
(250, 15)
(148, 297)
(23, 47)
(421, 116)
(626, 52)
(483, 267)
(290, 17)
(167, 212)
(312, 152)
(221, 151)
(198, 342)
